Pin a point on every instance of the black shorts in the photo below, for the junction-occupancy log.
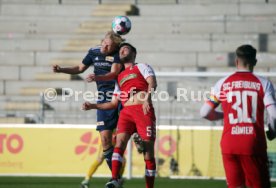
(107, 119)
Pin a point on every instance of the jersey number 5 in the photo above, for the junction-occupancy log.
(241, 106)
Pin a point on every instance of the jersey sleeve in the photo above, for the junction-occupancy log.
(269, 94)
(146, 70)
(88, 60)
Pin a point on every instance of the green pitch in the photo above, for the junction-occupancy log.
(58, 182)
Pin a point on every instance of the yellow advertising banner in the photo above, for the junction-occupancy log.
(47, 150)
(70, 149)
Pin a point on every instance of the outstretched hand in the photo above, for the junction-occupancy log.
(91, 78)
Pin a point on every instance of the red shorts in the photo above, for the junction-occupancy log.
(249, 170)
(132, 119)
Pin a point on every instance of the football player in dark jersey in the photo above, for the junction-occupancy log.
(106, 62)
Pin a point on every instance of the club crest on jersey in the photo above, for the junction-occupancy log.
(128, 77)
(109, 58)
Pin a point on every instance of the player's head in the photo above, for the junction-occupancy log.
(246, 56)
(127, 53)
(111, 43)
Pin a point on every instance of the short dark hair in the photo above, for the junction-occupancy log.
(128, 44)
(247, 53)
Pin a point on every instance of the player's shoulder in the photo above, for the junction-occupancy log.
(218, 85)
(261, 78)
(143, 66)
(266, 84)
(145, 69)
(95, 50)
(224, 79)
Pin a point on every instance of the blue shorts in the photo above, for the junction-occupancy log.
(107, 119)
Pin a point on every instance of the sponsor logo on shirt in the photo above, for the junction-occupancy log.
(109, 58)
(128, 77)
(102, 64)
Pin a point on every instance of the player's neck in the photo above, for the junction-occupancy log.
(244, 69)
(128, 64)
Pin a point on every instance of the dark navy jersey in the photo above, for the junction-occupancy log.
(102, 65)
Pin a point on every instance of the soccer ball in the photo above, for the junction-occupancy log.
(121, 25)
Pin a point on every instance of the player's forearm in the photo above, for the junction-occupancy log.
(210, 113)
(115, 70)
(272, 120)
(271, 110)
(101, 106)
(215, 115)
(71, 70)
(106, 77)
(105, 106)
(149, 94)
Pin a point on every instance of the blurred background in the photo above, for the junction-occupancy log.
(189, 43)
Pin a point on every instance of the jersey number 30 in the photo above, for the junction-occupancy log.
(241, 106)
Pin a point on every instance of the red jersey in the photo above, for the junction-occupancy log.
(133, 80)
(243, 96)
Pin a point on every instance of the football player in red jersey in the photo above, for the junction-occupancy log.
(135, 86)
(244, 96)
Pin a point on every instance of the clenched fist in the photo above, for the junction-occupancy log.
(91, 78)
(88, 106)
(56, 68)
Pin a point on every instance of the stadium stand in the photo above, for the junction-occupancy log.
(171, 35)
(182, 36)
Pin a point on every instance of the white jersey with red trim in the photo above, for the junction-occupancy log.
(132, 80)
(244, 97)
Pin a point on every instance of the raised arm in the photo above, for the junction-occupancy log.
(115, 70)
(70, 70)
(102, 106)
